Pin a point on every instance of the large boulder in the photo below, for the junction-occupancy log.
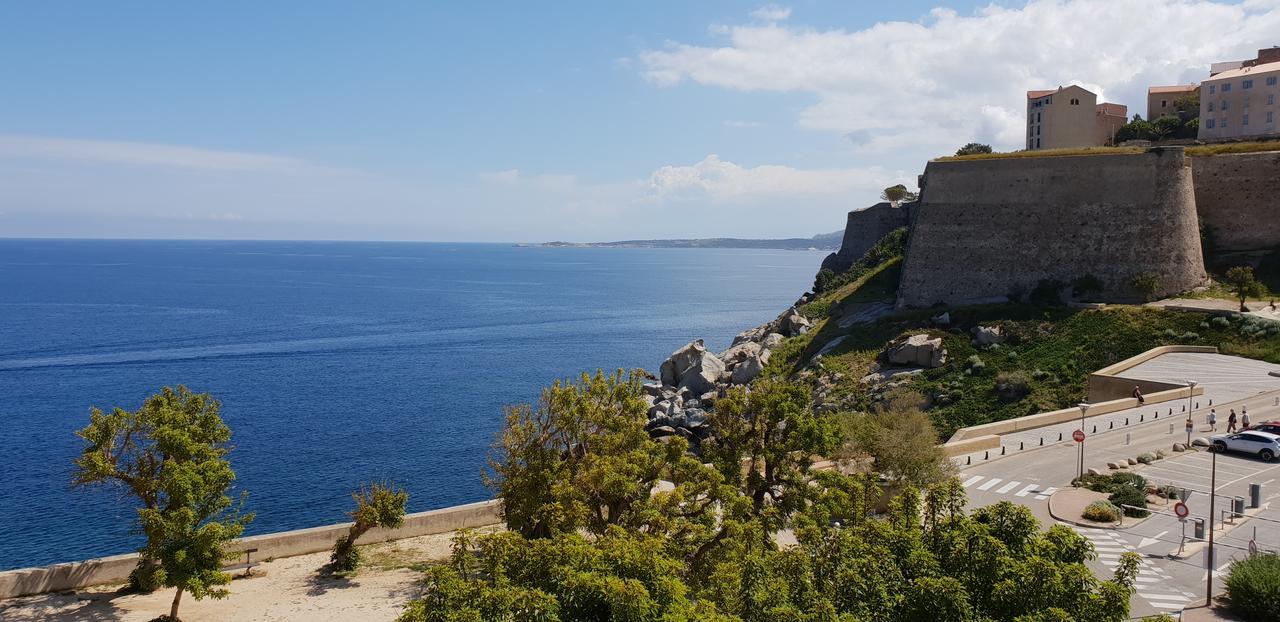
(747, 370)
(740, 353)
(792, 323)
(692, 368)
(772, 340)
(917, 350)
(987, 335)
(753, 334)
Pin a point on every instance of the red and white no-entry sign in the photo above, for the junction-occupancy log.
(1181, 509)
(1078, 435)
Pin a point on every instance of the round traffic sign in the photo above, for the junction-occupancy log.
(1181, 509)
(1078, 435)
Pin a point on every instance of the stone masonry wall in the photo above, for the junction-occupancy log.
(864, 228)
(1238, 199)
(986, 228)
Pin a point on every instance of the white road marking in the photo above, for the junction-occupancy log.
(972, 480)
(990, 483)
(1025, 491)
(1008, 487)
(1044, 494)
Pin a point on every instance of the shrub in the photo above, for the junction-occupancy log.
(1145, 286)
(1253, 588)
(1188, 336)
(1204, 326)
(973, 148)
(975, 365)
(1085, 285)
(1012, 386)
(1041, 375)
(1220, 322)
(816, 310)
(1102, 511)
(1169, 333)
(1047, 293)
(1128, 495)
(1147, 458)
(377, 505)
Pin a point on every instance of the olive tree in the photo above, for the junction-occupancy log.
(377, 505)
(1242, 283)
(170, 455)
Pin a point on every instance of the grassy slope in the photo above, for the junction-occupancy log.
(1064, 344)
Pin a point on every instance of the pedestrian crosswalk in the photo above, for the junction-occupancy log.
(1153, 584)
(1001, 486)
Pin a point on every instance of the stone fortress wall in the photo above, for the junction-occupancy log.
(988, 228)
(1238, 200)
(864, 228)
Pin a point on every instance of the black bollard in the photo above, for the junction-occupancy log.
(968, 460)
(1184, 408)
(1059, 435)
(1126, 421)
(1113, 424)
(1141, 417)
(1095, 429)
(1197, 405)
(1002, 450)
(1042, 441)
(986, 455)
(1020, 446)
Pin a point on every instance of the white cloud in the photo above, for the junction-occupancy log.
(771, 13)
(721, 181)
(146, 154)
(947, 79)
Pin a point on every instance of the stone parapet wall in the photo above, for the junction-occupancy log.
(115, 569)
(1238, 200)
(988, 228)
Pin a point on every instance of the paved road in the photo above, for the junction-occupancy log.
(1165, 584)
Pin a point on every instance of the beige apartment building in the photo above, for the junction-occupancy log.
(1242, 102)
(1070, 117)
(1160, 99)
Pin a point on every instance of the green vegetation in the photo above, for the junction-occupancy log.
(1244, 285)
(1193, 151)
(592, 538)
(1253, 588)
(170, 455)
(899, 440)
(378, 505)
(1102, 512)
(892, 246)
(973, 148)
(897, 194)
(1124, 489)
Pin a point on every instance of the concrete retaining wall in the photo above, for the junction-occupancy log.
(989, 228)
(1238, 198)
(1109, 383)
(115, 569)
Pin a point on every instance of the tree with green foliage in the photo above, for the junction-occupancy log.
(897, 194)
(898, 438)
(1242, 283)
(377, 505)
(170, 455)
(1145, 285)
(582, 461)
(973, 149)
(1253, 588)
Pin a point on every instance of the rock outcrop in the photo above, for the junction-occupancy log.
(917, 350)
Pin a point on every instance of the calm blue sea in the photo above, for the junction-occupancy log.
(336, 363)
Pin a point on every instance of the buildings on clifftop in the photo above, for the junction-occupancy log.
(1241, 101)
(1070, 117)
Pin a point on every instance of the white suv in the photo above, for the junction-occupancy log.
(1262, 444)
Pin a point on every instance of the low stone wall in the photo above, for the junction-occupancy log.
(115, 569)
(1040, 420)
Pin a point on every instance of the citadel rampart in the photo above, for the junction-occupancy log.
(864, 228)
(1238, 199)
(989, 228)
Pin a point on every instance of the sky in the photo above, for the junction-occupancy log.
(530, 122)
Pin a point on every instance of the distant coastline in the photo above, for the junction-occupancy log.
(821, 242)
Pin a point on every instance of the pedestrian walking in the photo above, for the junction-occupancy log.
(1137, 393)
(1244, 419)
(1213, 419)
(1231, 421)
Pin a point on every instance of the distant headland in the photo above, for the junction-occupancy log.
(822, 242)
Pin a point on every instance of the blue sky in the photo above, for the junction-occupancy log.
(518, 122)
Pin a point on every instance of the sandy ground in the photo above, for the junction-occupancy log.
(290, 588)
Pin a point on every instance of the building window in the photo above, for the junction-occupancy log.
(1210, 106)
(1271, 100)
(1164, 103)
(1226, 87)
(1224, 122)
(1037, 117)
(1224, 104)
(1271, 81)
(1037, 130)
(1244, 120)
(1213, 88)
(1210, 123)
(1270, 119)
(1037, 143)
(1247, 84)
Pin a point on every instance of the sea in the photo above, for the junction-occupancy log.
(337, 363)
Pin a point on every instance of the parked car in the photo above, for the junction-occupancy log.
(1272, 427)
(1262, 444)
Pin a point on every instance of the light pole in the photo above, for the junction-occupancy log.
(1083, 408)
(1213, 495)
(1191, 393)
